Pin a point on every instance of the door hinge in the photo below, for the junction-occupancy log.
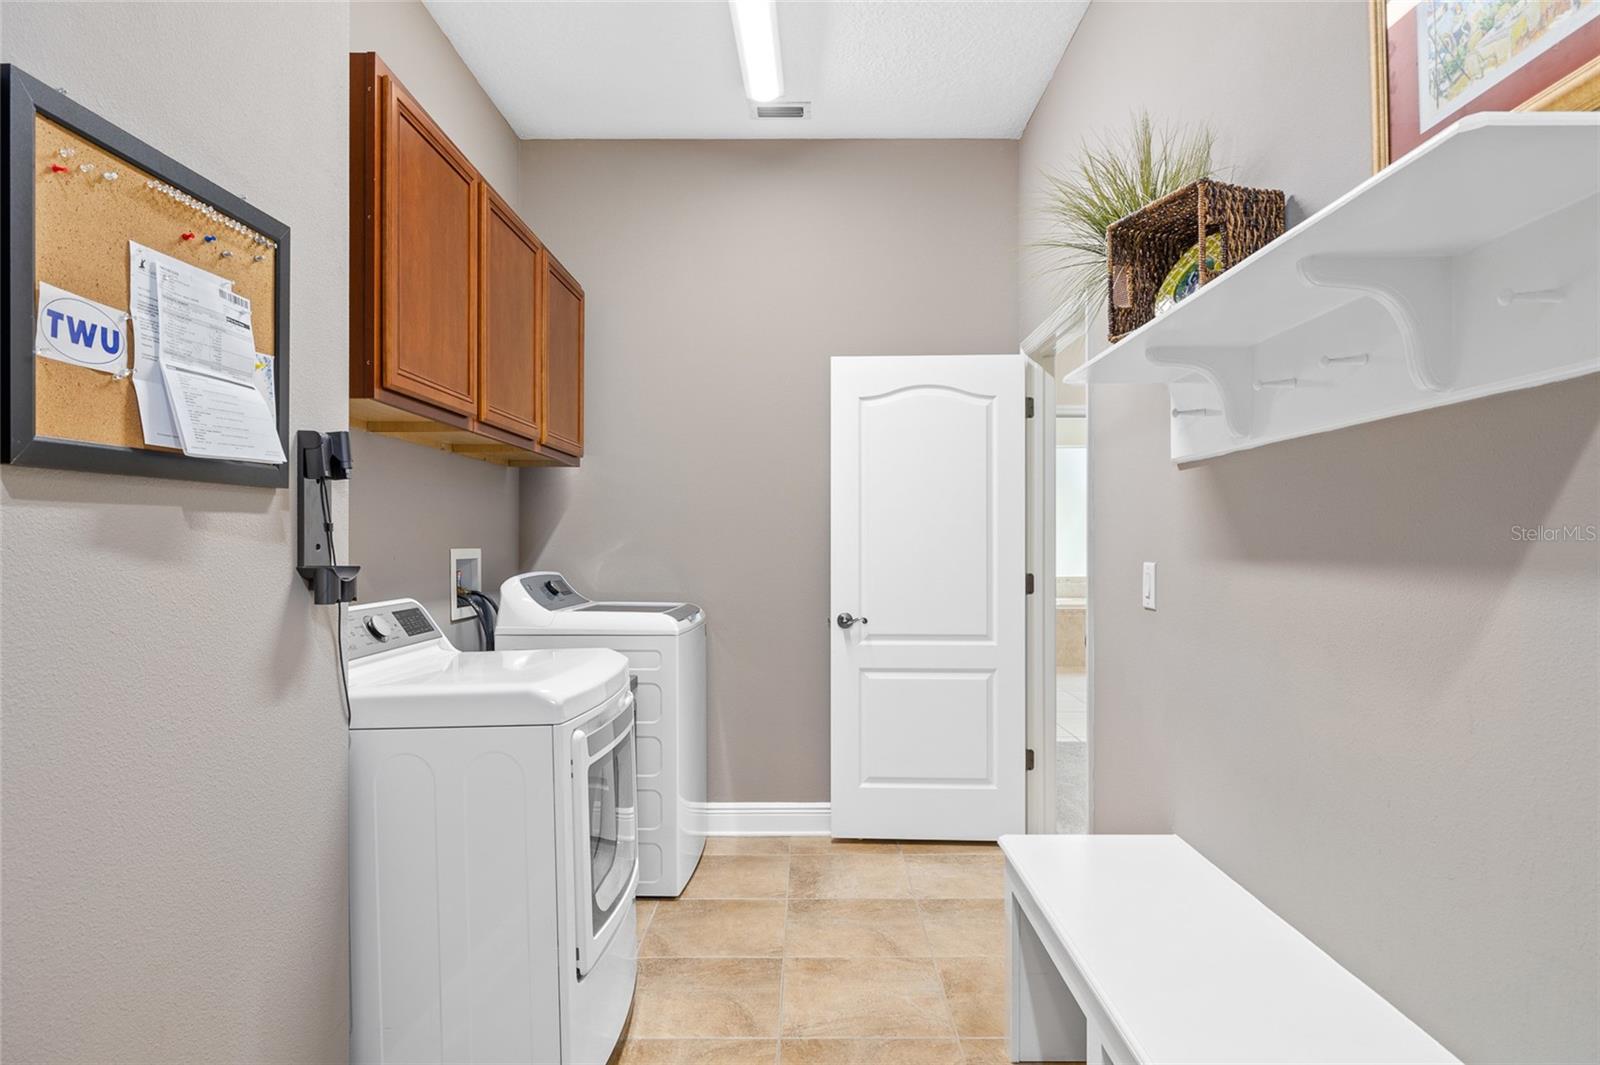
(1030, 759)
(1030, 406)
(1030, 584)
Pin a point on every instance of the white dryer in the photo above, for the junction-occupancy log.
(493, 847)
(665, 644)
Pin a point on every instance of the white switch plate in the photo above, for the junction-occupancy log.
(1148, 587)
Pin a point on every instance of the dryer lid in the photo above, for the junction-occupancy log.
(436, 686)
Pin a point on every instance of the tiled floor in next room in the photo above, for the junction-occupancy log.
(1072, 734)
(1072, 705)
(812, 951)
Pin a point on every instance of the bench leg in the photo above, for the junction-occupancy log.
(1046, 1023)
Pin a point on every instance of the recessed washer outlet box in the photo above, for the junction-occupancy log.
(466, 571)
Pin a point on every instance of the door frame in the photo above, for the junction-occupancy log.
(1058, 345)
(1041, 711)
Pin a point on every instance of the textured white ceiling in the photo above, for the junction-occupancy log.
(670, 68)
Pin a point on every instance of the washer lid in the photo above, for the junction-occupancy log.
(597, 619)
(436, 686)
(543, 602)
(675, 611)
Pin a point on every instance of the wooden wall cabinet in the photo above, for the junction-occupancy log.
(561, 358)
(465, 335)
(429, 268)
(509, 313)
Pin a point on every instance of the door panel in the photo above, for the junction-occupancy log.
(562, 359)
(430, 267)
(509, 319)
(934, 583)
(898, 709)
(928, 548)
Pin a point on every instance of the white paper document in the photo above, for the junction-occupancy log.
(80, 331)
(266, 379)
(155, 413)
(200, 383)
(204, 325)
(221, 419)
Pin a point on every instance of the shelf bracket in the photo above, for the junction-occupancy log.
(1416, 294)
(1229, 370)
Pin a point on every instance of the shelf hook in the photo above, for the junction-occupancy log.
(1353, 360)
(1278, 382)
(1414, 292)
(1539, 295)
(1225, 369)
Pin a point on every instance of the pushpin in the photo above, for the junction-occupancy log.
(85, 168)
(211, 238)
(259, 259)
(227, 254)
(110, 175)
(66, 153)
(186, 236)
(57, 168)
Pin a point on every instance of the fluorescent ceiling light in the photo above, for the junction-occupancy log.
(755, 25)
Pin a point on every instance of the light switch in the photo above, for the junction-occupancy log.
(1148, 587)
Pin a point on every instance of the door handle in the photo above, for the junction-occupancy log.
(846, 620)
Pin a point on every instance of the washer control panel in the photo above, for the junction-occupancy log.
(369, 630)
(551, 591)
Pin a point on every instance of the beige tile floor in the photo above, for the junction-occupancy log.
(808, 951)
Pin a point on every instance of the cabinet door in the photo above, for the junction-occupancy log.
(508, 353)
(430, 260)
(561, 360)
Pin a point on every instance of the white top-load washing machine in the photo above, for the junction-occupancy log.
(666, 648)
(493, 847)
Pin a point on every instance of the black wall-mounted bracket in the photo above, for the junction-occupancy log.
(319, 458)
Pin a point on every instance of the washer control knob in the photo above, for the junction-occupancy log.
(381, 627)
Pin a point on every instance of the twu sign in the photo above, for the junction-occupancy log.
(82, 332)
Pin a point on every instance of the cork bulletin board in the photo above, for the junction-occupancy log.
(77, 190)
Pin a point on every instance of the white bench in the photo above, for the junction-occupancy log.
(1132, 949)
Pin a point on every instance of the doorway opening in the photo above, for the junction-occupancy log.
(1071, 747)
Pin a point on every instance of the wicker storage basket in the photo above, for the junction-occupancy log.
(1142, 248)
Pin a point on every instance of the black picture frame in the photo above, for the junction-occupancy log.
(23, 96)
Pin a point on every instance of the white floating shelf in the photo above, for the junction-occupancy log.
(1466, 269)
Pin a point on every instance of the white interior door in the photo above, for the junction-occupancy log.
(929, 685)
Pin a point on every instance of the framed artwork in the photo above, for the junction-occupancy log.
(1434, 61)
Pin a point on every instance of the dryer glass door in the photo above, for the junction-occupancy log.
(608, 829)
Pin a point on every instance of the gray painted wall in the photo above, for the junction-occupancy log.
(410, 505)
(174, 805)
(1361, 697)
(720, 277)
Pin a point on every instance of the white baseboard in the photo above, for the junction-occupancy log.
(766, 818)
